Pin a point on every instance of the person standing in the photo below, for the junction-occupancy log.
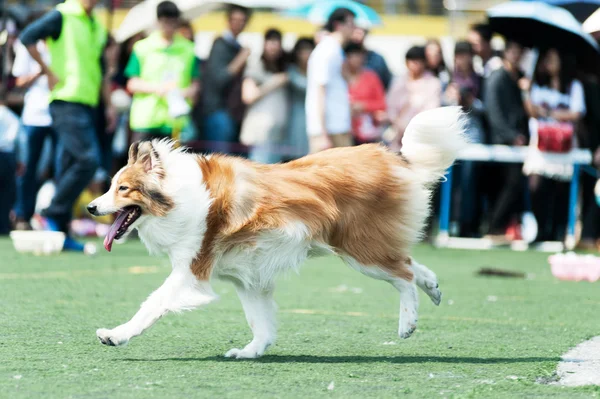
(435, 62)
(373, 60)
(297, 138)
(264, 91)
(327, 99)
(464, 90)
(162, 65)
(505, 112)
(555, 103)
(37, 125)
(480, 37)
(410, 95)
(76, 40)
(222, 104)
(367, 97)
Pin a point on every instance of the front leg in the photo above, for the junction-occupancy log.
(180, 291)
(260, 309)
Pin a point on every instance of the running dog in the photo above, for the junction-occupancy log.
(223, 217)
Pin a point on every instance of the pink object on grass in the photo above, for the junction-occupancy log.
(575, 267)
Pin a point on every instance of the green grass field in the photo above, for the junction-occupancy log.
(491, 337)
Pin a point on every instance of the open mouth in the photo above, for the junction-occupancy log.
(124, 220)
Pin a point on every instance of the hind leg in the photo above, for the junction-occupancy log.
(409, 300)
(427, 281)
(409, 306)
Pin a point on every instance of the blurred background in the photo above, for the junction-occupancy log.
(424, 53)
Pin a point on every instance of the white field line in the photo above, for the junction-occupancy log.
(79, 273)
(581, 365)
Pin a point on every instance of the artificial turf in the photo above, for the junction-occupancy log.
(491, 337)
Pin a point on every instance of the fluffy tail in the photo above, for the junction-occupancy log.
(433, 140)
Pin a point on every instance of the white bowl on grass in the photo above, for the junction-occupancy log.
(38, 242)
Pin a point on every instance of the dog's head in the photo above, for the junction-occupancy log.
(136, 193)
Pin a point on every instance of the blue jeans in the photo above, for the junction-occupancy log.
(221, 132)
(78, 156)
(28, 184)
(8, 166)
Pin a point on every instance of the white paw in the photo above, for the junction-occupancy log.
(111, 337)
(430, 286)
(408, 323)
(242, 353)
(434, 292)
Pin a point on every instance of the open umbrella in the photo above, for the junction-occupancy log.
(592, 24)
(539, 25)
(142, 16)
(318, 12)
(581, 9)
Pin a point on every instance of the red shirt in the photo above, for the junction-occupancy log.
(368, 91)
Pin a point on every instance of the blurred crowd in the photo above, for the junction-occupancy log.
(330, 90)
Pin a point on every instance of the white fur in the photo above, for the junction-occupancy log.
(106, 203)
(409, 301)
(433, 139)
(418, 202)
(430, 143)
(260, 309)
(275, 252)
(179, 234)
(180, 291)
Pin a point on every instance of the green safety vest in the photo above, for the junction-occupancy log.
(76, 56)
(160, 63)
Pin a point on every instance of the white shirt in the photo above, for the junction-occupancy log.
(36, 108)
(10, 128)
(325, 68)
(490, 66)
(574, 100)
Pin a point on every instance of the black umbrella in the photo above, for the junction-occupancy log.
(539, 25)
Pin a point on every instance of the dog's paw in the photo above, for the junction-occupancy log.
(406, 332)
(408, 323)
(110, 338)
(242, 354)
(435, 295)
(431, 287)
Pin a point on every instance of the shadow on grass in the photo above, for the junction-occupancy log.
(360, 359)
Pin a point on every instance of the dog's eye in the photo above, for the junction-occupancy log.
(123, 188)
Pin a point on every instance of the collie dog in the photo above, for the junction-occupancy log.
(224, 217)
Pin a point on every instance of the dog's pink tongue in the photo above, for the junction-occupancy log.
(112, 233)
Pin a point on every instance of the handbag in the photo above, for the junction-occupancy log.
(556, 137)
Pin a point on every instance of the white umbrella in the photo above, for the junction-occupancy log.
(592, 24)
(142, 17)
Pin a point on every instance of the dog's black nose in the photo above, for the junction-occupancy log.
(93, 209)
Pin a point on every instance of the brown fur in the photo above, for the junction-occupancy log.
(349, 198)
(219, 179)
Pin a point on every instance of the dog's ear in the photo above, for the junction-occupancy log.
(133, 152)
(148, 157)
